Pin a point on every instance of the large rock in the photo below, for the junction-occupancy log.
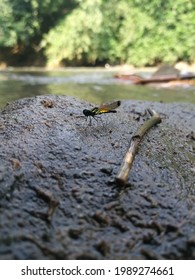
(58, 195)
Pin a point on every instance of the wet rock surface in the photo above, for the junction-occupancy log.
(58, 197)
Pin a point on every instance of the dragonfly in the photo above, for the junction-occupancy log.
(102, 109)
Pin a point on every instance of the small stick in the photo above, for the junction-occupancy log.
(122, 176)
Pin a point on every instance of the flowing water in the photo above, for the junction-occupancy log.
(95, 85)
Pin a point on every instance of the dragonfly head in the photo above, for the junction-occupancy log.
(87, 113)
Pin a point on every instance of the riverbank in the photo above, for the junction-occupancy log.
(182, 66)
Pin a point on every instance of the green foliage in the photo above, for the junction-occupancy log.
(7, 34)
(172, 36)
(76, 36)
(141, 32)
(22, 21)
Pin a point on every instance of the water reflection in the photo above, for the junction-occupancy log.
(92, 85)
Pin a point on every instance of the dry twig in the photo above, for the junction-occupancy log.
(126, 165)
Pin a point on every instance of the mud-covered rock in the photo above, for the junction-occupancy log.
(58, 197)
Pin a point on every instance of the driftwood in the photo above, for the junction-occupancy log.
(164, 79)
(122, 176)
(164, 74)
(136, 79)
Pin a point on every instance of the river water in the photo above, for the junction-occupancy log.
(95, 85)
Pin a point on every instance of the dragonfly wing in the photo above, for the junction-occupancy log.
(104, 108)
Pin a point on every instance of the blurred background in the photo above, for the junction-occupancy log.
(78, 48)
